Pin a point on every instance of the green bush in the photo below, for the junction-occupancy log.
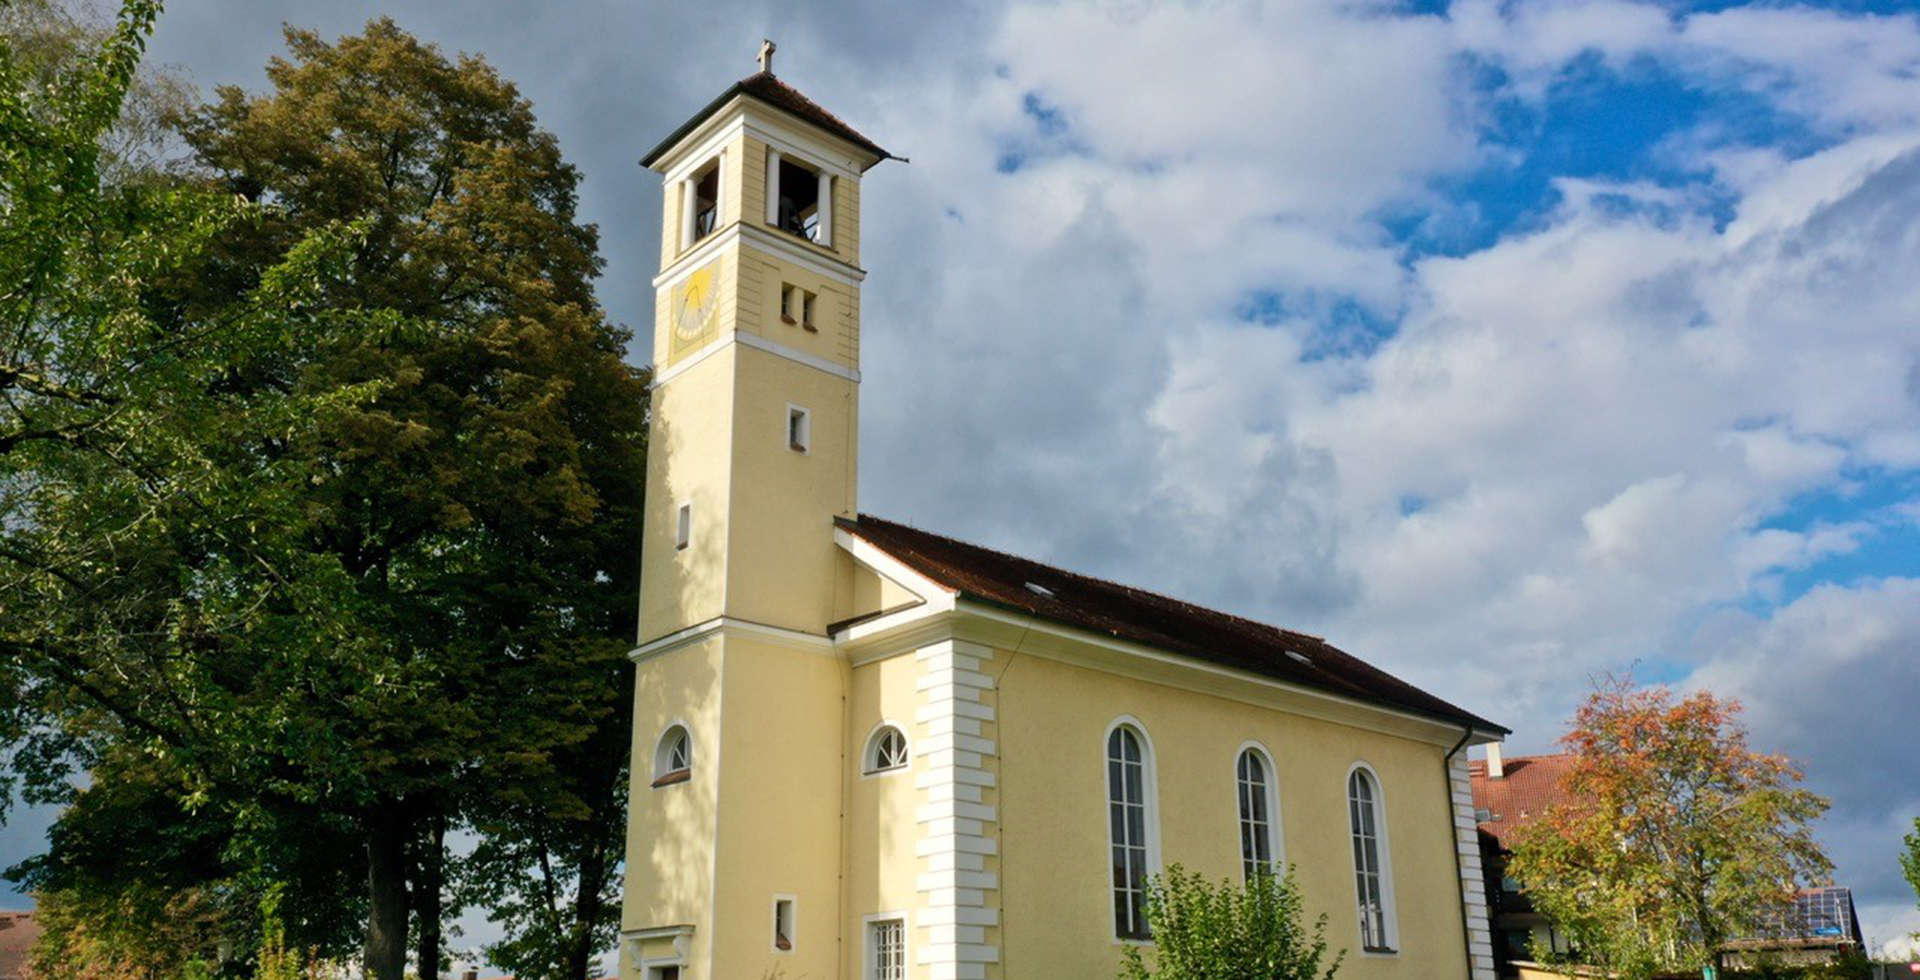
(1203, 931)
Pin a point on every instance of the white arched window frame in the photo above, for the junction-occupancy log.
(887, 750)
(1133, 826)
(1256, 783)
(1372, 861)
(673, 755)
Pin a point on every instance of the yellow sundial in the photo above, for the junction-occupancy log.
(693, 306)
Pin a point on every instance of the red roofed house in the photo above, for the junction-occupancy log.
(18, 933)
(1507, 794)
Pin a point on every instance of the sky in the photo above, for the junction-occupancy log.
(1508, 345)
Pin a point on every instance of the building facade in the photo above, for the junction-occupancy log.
(867, 752)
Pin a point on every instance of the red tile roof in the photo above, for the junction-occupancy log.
(778, 94)
(1128, 613)
(1531, 784)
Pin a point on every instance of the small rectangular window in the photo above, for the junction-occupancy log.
(799, 429)
(806, 311)
(783, 924)
(887, 950)
(683, 528)
(787, 297)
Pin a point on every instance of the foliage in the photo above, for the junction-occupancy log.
(1910, 859)
(1203, 931)
(1676, 837)
(317, 499)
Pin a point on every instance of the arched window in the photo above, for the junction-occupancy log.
(1259, 813)
(1130, 821)
(886, 750)
(673, 757)
(1372, 878)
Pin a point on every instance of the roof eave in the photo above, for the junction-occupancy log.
(875, 153)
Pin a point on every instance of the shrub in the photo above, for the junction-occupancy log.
(1203, 931)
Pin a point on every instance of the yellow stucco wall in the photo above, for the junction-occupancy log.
(670, 849)
(880, 817)
(691, 417)
(1056, 903)
(782, 755)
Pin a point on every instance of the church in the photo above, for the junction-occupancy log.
(866, 751)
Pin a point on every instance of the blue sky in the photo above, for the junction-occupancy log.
(1503, 343)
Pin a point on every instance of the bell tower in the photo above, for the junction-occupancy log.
(734, 849)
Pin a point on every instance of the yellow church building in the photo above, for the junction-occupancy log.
(863, 751)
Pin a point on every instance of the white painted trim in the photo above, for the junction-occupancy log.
(660, 750)
(1276, 838)
(795, 250)
(1150, 788)
(822, 152)
(727, 624)
(774, 157)
(760, 343)
(1389, 911)
(868, 745)
(632, 939)
(886, 566)
(867, 964)
(793, 924)
(803, 445)
(718, 130)
(803, 253)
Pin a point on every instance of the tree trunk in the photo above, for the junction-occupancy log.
(586, 912)
(426, 893)
(386, 949)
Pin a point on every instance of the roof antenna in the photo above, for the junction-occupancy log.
(766, 56)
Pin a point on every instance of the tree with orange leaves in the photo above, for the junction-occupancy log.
(1676, 836)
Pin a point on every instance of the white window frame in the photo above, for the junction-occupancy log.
(799, 438)
(1389, 923)
(663, 750)
(869, 955)
(823, 234)
(689, 197)
(683, 526)
(1276, 848)
(1150, 818)
(869, 755)
(792, 924)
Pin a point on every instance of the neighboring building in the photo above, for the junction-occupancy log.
(1819, 927)
(1507, 795)
(1510, 793)
(868, 752)
(18, 932)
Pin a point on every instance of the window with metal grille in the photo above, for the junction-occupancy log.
(1128, 821)
(1256, 814)
(887, 950)
(887, 750)
(1369, 871)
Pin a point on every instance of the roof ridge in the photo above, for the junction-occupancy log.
(1124, 587)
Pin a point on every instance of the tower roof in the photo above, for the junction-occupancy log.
(769, 90)
(1155, 620)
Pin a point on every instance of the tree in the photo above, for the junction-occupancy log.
(322, 478)
(1910, 861)
(1677, 837)
(1203, 931)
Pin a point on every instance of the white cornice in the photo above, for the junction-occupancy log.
(727, 625)
(777, 243)
(761, 344)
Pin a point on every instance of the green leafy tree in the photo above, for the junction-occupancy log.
(1224, 931)
(1676, 838)
(1910, 861)
(321, 471)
